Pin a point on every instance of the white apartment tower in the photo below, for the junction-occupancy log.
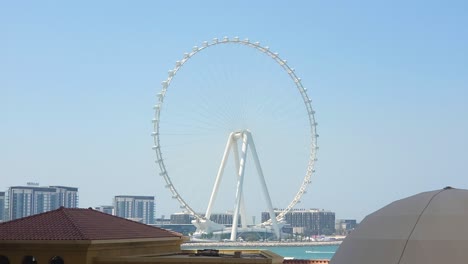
(29, 200)
(2, 207)
(137, 208)
(66, 196)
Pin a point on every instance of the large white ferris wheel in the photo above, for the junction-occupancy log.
(240, 138)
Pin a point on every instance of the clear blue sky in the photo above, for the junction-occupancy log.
(389, 82)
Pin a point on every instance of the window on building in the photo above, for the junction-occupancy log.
(56, 260)
(4, 260)
(29, 260)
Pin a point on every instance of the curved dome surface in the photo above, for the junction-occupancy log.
(430, 227)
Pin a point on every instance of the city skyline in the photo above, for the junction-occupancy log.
(136, 207)
(390, 92)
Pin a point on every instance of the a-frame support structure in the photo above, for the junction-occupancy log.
(240, 161)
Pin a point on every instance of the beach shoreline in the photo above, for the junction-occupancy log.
(260, 244)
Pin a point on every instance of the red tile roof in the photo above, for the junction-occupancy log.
(78, 224)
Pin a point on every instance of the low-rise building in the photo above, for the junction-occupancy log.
(224, 218)
(181, 218)
(308, 221)
(87, 236)
(345, 226)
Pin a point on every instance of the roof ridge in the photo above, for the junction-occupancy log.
(72, 222)
(419, 217)
(26, 217)
(80, 224)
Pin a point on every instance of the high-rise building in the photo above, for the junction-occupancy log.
(29, 200)
(2, 207)
(309, 222)
(66, 196)
(138, 208)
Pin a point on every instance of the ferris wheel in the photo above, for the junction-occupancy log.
(239, 138)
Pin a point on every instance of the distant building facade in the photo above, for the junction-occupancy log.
(185, 229)
(66, 196)
(224, 218)
(30, 200)
(108, 209)
(162, 221)
(138, 208)
(181, 219)
(2, 207)
(219, 218)
(308, 221)
(345, 226)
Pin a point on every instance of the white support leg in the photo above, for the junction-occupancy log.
(266, 194)
(243, 213)
(237, 166)
(219, 175)
(240, 163)
(240, 183)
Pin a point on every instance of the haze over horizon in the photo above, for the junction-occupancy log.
(389, 84)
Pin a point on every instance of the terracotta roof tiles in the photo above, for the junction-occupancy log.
(78, 224)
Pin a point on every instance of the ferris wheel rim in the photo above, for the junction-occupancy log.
(298, 83)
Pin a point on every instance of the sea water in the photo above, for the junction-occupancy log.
(305, 252)
(296, 252)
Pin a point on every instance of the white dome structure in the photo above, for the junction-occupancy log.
(427, 228)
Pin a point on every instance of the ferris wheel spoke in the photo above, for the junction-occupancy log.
(206, 112)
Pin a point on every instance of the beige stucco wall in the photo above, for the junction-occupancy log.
(85, 252)
(186, 258)
(132, 248)
(43, 251)
(118, 252)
